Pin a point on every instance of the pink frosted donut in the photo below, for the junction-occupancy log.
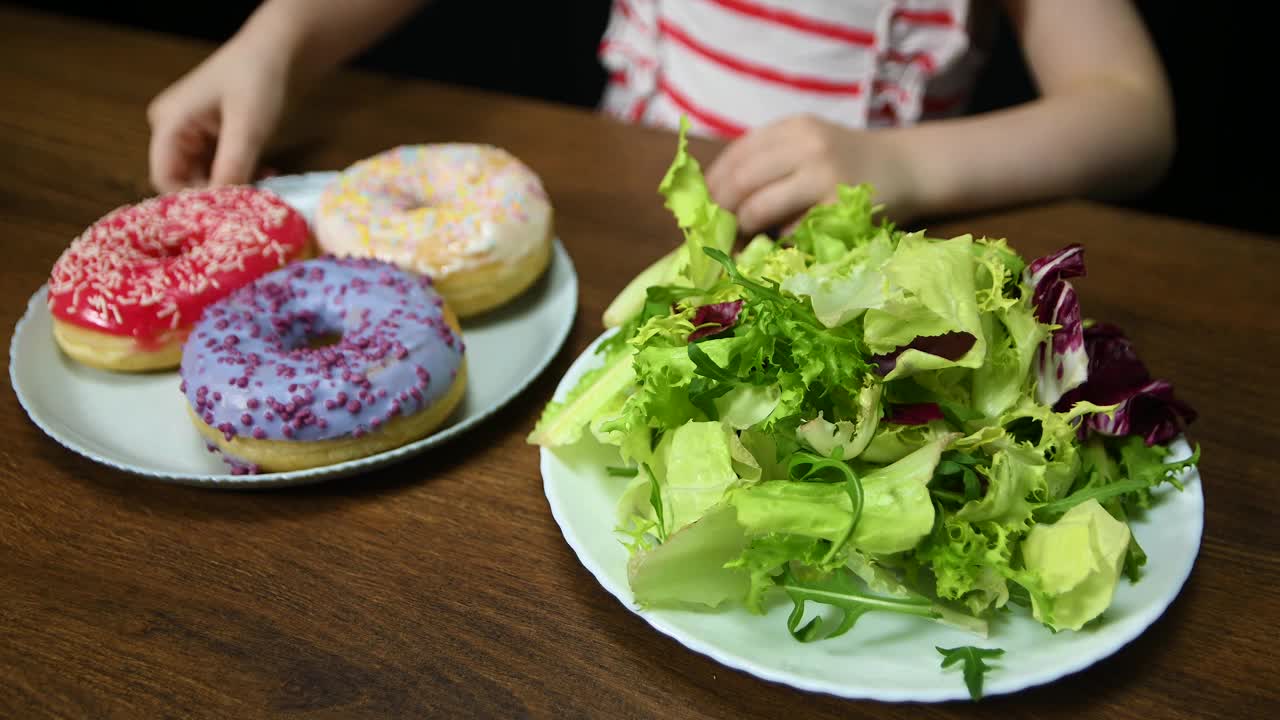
(126, 292)
(472, 217)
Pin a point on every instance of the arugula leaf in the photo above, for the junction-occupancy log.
(975, 666)
(807, 467)
(614, 471)
(840, 589)
(1053, 510)
(958, 465)
(703, 394)
(655, 501)
(706, 367)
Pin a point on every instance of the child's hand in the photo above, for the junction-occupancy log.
(773, 174)
(209, 127)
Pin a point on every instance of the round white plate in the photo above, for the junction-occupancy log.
(138, 422)
(885, 657)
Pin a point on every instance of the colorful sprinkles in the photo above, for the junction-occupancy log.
(435, 209)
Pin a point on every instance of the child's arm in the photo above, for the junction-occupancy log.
(210, 126)
(1103, 127)
(319, 34)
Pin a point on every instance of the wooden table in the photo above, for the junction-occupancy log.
(441, 586)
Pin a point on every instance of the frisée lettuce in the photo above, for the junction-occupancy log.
(871, 419)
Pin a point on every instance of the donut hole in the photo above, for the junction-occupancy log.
(407, 199)
(162, 244)
(322, 340)
(308, 331)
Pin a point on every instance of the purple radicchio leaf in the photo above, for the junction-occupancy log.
(1117, 376)
(914, 413)
(1061, 362)
(951, 346)
(714, 318)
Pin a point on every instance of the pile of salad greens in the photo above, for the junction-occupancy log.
(870, 419)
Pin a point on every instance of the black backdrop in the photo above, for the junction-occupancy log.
(1216, 55)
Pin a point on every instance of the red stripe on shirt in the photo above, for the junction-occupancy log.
(632, 54)
(725, 127)
(886, 113)
(760, 72)
(813, 26)
(624, 7)
(637, 111)
(925, 17)
(931, 104)
(881, 87)
(923, 59)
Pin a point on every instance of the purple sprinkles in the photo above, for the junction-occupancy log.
(254, 365)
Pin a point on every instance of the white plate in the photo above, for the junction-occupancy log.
(138, 422)
(885, 657)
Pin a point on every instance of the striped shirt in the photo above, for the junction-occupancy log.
(730, 65)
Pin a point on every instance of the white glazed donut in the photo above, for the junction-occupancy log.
(472, 217)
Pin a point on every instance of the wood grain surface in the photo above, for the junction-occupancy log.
(441, 587)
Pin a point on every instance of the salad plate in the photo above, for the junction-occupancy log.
(138, 423)
(884, 657)
(868, 462)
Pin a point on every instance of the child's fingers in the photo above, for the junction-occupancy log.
(779, 202)
(240, 141)
(171, 165)
(723, 177)
(750, 173)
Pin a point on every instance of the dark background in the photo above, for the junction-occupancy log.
(1214, 53)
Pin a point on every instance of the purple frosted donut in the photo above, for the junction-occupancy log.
(323, 361)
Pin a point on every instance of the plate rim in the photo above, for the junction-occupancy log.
(1144, 618)
(36, 304)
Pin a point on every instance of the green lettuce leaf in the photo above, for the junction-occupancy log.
(847, 438)
(828, 231)
(934, 296)
(897, 511)
(764, 450)
(1078, 561)
(766, 556)
(664, 271)
(1015, 480)
(704, 224)
(596, 393)
(815, 368)
(891, 443)
(663, 377)
(691, 567)
(694, 467)
(747, 405)
(1013, 336)
(806, 509)
(842, 290)
(970, 562)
